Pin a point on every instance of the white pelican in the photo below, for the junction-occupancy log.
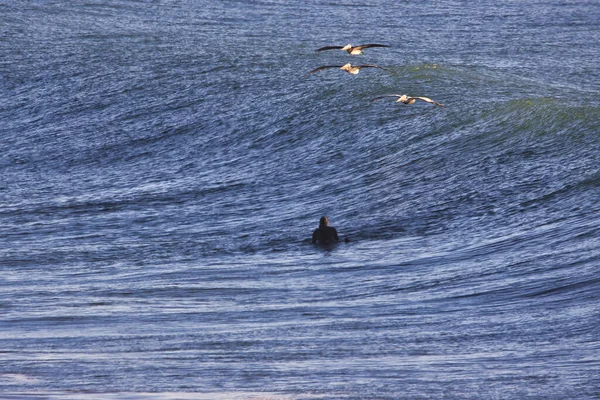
(353, 50)
(408, 99)
(351, 69)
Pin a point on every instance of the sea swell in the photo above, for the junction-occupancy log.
(164, 165)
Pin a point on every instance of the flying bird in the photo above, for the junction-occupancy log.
(353, 50)
(351, 69)
(408, 99)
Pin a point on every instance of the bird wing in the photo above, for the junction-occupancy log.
(369, 66)
(324, 67)
(383, 96)
(366, 46)
(330, 48)
(428, 100)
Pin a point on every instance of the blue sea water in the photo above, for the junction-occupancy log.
(163, 165)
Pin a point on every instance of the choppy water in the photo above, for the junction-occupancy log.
(163, 165)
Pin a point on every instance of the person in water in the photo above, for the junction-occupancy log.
(325, 234)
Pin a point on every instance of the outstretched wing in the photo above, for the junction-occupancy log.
(324, 67)
(428, 100)
(330, 48)
(366, 46)
(369, 66)
(383, 96)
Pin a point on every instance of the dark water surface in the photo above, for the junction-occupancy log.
(163, 164)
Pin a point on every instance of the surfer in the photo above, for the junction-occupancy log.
(325, 234)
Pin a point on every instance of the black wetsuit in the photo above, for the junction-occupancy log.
(325, 235)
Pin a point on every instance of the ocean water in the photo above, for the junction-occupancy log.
(163, 164)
